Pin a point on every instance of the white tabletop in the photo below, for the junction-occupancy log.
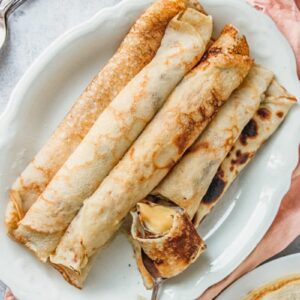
(32, 28)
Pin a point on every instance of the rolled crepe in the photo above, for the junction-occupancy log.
(170, 228)
(114, 131)
(176, 126)
(190, 178)
(287, 288)
(135, 52)
(188, 181)
(264, 123)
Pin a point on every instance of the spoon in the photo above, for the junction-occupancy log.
(158, 280)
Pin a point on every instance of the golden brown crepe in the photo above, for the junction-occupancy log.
(188, 181)
(265, 122)
(114, 131)
(135, 52)
(176, 126)
(190, 178)
(287, 288)
(208, 152)
(170, 228)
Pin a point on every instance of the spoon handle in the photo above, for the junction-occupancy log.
(156, 287)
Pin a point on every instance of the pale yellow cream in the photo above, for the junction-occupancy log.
(156, 218)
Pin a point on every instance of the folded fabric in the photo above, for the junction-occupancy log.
(286, 15)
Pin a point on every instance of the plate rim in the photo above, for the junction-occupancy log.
(264, 268)
(255, 241)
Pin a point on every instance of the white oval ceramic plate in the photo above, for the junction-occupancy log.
(44, 95)
(274, 270)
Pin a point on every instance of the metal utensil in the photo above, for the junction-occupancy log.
(157, 284)
(6, 8)
(158, 280)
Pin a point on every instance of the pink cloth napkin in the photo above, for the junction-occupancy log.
(286, 14)
(8, 295)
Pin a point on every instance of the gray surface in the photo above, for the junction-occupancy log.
(32, 28)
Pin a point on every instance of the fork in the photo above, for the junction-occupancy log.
(6, 8)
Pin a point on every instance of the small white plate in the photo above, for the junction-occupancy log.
(262, 275)
(44, 95)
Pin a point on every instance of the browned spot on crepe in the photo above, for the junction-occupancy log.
(279, 114)
(250, 131)
(264, 113)
(214, 51)
(241, 158)
(184, 246)
(215, 189)
(181, 141)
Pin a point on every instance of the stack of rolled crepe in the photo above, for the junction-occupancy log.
(116, 128)
(176, 126)
(151, 104)
(198, 181)
(187, 183)
(136, 51)
(266, 120)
